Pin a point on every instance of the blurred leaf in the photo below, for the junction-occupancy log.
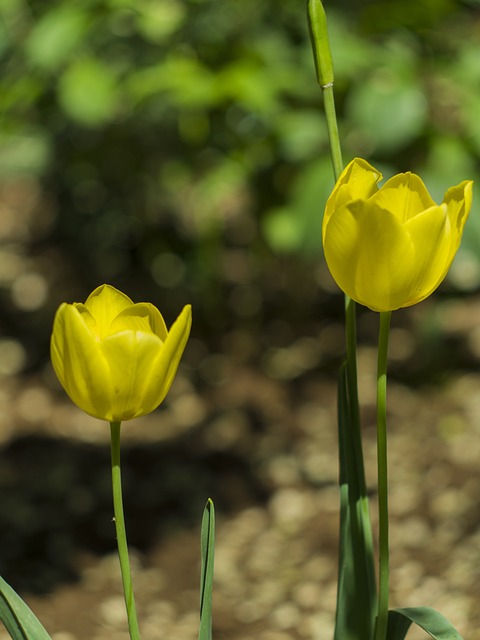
(20, 93)
(18, 618)
(405, 14)
(185, 79)
(302, 133)
(10, 5)
(448, 163)
(26, 153)
(352, 54)
(56, 36)
(88, 92)
(248, 83)
(157, 20)
(470, 111)
(283, 231)
(467, 65)
(216, 195)
(389, 109)
(297, 227)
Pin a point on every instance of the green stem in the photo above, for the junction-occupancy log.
(361, 525)
(351, 357)
(332, 127)
(350, 314)
(121, 533)
(384, 563)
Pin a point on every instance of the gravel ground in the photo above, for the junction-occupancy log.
(262, 443)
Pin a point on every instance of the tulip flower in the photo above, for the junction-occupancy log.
(116, 359)
(392, 246)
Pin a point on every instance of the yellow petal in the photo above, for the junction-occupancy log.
(369, 255)
(87, 317)
(114, 358)
(404, 195)
(130, 356)
(79, 363)
(142, 316)
(358, 181)
(431, 238)
(104, 304)
(458, 201)
(166, 364)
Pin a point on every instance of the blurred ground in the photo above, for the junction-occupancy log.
(261, 442)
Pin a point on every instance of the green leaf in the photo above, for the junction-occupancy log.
(431, 621)
(283, 231)
(159, 20)
(390, 109)
(297, 227)
(56, 36)
(17, 617)
(206, 578)
(28, 153)
(356, 591)
(88, 92)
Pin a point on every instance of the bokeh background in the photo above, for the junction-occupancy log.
(177, 149)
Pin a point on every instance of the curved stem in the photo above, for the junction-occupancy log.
(121, 533)
(384, 562)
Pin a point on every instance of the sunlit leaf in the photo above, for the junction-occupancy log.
(389, 110)
(56, 35)
(18, 618)
(88, 92)
(158, 20)
(431, 621)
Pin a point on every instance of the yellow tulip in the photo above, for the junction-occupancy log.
(116, 359)
(391, 247)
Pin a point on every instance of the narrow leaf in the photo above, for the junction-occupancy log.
(356, 592)
(18, 618)
(206, 578)
(431, 621)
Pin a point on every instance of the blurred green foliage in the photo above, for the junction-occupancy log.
(182, 142)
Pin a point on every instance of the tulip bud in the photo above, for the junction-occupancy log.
(391, 247)
(317, 25)
(115, 359)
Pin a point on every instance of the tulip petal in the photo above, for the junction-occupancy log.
(87, 318)
(166, 364)
(369, 255)
(404, 195)
(358, 181)
(79, 363)
(458, 201)
(104, 304)
(130, 356)
(142, 316)
(431, 238)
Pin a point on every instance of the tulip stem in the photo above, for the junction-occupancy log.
(384, 563)
(332, 127)
(121, 533)
(361, 525)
